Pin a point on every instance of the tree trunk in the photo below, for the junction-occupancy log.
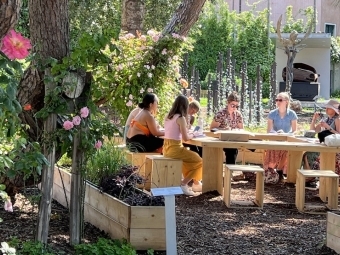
(132, 16)
(185, 17)
(49, 30)
(9, 14)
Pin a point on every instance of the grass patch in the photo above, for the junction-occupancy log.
(204, 102)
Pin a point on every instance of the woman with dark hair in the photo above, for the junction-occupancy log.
(143, 131)
(229, 118)
(175, 126)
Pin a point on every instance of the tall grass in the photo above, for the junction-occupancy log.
(106, 161)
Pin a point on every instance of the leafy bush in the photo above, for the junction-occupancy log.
(105, 247)
(35, 248)
(106, 161)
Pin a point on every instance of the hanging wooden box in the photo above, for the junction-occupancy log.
(115, 217)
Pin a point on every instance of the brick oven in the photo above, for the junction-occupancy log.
(305, 82)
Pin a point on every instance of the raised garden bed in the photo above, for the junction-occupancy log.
(142, 226)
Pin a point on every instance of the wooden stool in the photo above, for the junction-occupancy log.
(164, 172)
(331, 190)
(138, 159)
(259, 192)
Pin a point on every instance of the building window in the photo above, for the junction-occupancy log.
(330, 28)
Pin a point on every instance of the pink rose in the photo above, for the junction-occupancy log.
(8, 206)
(129, 103)
(68, 125)
(76, 120)
(15, 46)
(98, 144)
(84, 112)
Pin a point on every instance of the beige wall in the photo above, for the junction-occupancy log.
(326, 10)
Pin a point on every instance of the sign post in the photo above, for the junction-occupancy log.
(170, 215)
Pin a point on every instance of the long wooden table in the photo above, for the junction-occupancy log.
(213, 157)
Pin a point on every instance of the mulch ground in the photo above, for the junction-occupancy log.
(204, 224)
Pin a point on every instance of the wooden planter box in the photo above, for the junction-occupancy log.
(142, 226)
(333, 231)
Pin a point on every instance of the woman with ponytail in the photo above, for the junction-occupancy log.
(143, 133)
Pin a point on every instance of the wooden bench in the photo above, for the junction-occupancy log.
(259, 192)
(138, 159)
(164, 172)
(329, 188)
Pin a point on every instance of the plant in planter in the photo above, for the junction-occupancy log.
(122, 185)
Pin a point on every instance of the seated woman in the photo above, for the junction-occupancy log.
(311, 160)
(131, 116)
(175, 126)
(143, 131)
(194, 107)
(229, 118)
(280, 120)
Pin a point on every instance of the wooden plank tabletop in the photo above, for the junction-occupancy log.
(268, 145)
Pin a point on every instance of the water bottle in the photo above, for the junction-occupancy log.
(200, 124)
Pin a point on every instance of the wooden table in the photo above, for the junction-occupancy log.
(213, 157)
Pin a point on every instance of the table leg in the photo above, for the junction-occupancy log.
(294, 163)
(212, 175)
(327, 162)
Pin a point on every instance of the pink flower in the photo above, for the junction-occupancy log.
(150, 90)
(130, 96)
(98, 144)
(155, 38)
(84, 112)
(76, 120)
(129, 103)
(14, 45)
(68, 125)
(141, 91)
(8, 206)
(164, 51)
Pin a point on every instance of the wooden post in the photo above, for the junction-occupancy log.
(76, 195)
(50, 125)
(198, 86)
(233, 81)
(258, 95)
(210, 94)
(250, 102)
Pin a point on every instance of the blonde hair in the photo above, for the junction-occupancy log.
(195, 105)
(285, 96)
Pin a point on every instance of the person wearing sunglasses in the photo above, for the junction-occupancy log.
(229, 118)
(280, 120)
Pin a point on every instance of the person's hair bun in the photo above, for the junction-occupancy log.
(141, 105)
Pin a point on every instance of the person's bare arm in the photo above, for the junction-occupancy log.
(270, 124)
(183, 129)
(214, 124)
(294, 126)
(152, 125)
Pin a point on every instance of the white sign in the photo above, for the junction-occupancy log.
(168, 191)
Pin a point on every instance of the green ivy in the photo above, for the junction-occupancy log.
(335, 50)
(105, 247)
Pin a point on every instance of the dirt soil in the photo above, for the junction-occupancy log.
(204, 224)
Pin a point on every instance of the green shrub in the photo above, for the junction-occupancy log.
(106, 161)
(35, 248)
(105, 247)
